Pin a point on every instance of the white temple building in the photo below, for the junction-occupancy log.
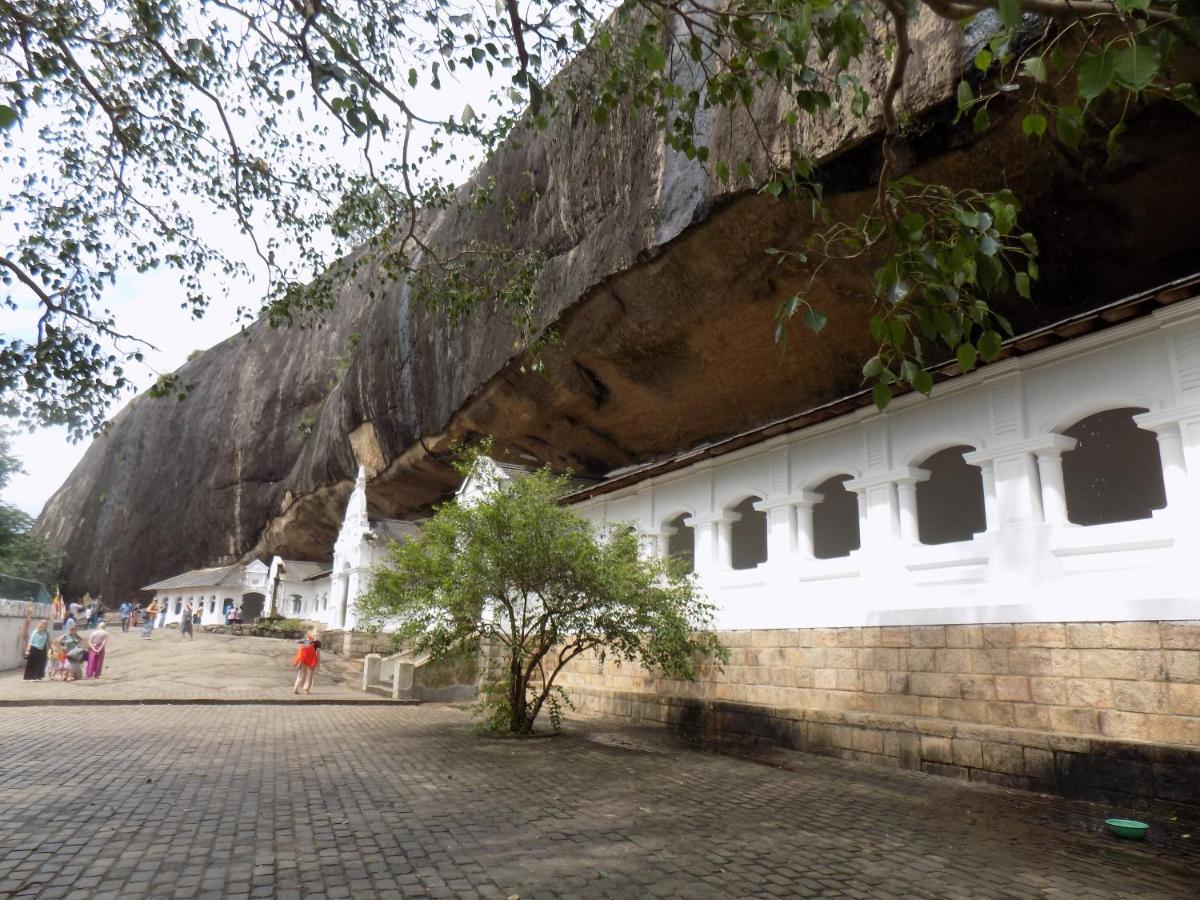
(298, 589)
(1058, 485)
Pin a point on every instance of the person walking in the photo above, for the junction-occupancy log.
(97, 644)
(306, 660)
(35, 652)
(126, 611)
(75, 654)
(228, 612)
(151, 614)
(185, 623)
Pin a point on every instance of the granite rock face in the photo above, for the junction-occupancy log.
(657, 282)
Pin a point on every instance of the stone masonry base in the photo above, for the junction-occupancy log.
(1094, 710)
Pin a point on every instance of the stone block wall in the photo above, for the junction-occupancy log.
(1046, 706)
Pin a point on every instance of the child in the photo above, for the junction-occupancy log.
(306, 660)
(58, 661)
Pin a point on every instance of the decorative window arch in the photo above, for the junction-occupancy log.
(835, 519)
(747, 534)
(1114, 474)
(950, 505)
(297, 604)
(178, 605)
(681, 540)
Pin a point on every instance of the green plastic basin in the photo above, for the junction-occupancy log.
(1129, 829)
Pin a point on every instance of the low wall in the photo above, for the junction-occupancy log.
(354, 644)
(14, 633)
(1093, 709)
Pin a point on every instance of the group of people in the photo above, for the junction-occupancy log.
(64, 658)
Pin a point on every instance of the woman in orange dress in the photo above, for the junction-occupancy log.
(306, 660)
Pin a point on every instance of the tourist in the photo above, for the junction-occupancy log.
(35, 652)
(74, 653)
(126, 611)
(162, 613)
(185, 623)
(306, 660)
(57, 660)
(151, 614)
(228, 612)
(96, 647)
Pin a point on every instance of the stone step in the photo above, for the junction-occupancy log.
(386, 691)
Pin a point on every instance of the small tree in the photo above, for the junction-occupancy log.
(520, 573)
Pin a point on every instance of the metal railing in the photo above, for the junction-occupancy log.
(14, 588)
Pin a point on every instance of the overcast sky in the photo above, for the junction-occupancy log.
(149, 306)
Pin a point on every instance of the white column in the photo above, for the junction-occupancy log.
(885, 520)
(664, 541)
(1054, 492)
(987, 472)
(724, 558)
(789, 526)
(1171, 455)
(805, 535)
(906, 493)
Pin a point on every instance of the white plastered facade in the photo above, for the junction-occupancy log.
(1028, 564)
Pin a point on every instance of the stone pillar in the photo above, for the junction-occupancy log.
(1023, 481)
(371, 670)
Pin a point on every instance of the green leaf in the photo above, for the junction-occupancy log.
(966, 357)
(8, 116)
(1034, 125)
(881, 394)
(773, 187)
(1096, 74)
(1010, 13)
(922, 382)
(983, 60)
(982, 120)
(873, 367)
(1022, 282)
(813, 319)
(1035, 68)
(988, 245)
(1069, 124)
(1136, 66)
(1113, 144)
(965, 96)
(1186, 94)
(989, 345)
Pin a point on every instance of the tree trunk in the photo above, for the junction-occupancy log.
(518, 703)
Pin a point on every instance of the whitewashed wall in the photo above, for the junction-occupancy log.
(1029, 565)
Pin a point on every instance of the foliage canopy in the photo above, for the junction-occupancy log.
(534, 586)
(22, 553)
(315, 126)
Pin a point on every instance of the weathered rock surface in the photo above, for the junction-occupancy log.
(657, 282)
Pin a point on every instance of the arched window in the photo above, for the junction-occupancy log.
(835, 519)
(297, 605)
(1114, 474)
(325, 601)
(950, 504)
(178, 605)
(681, 541)
(748, 535)
(212, 606)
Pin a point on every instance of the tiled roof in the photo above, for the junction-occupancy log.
(199, 578)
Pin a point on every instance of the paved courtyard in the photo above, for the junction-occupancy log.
(354, 801)
(209, 667)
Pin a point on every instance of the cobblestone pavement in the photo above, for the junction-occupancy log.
(209, 667)
(352, 801)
